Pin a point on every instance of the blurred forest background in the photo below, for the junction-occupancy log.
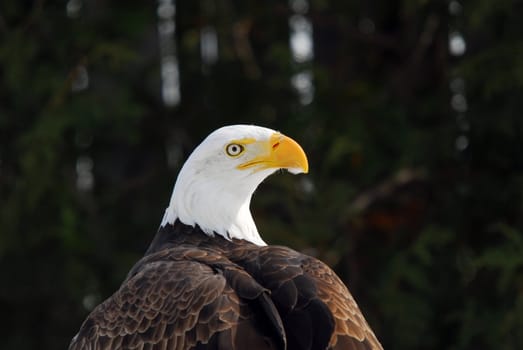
(410, 112)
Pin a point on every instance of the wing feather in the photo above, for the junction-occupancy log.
(180, 300)
(317, 309)
(350, 324)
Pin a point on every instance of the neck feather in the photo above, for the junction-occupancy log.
(217, 207)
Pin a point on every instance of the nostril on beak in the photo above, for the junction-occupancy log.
(275, 145)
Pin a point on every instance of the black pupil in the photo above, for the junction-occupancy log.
(234, 149)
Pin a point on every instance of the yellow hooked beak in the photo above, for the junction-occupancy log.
(279, 152)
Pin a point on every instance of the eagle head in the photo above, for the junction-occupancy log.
(215, 185)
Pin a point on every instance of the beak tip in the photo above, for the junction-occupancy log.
(295, 155)
(299, 169)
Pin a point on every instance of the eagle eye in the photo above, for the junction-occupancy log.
(234, 149)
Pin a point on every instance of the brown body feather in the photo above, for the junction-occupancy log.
(192, 291)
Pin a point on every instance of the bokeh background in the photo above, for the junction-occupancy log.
(410, 112)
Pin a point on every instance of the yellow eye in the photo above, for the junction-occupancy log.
(234, 149)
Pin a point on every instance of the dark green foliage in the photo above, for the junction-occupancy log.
(428, 237)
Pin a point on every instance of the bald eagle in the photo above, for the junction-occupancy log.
(209, 281)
